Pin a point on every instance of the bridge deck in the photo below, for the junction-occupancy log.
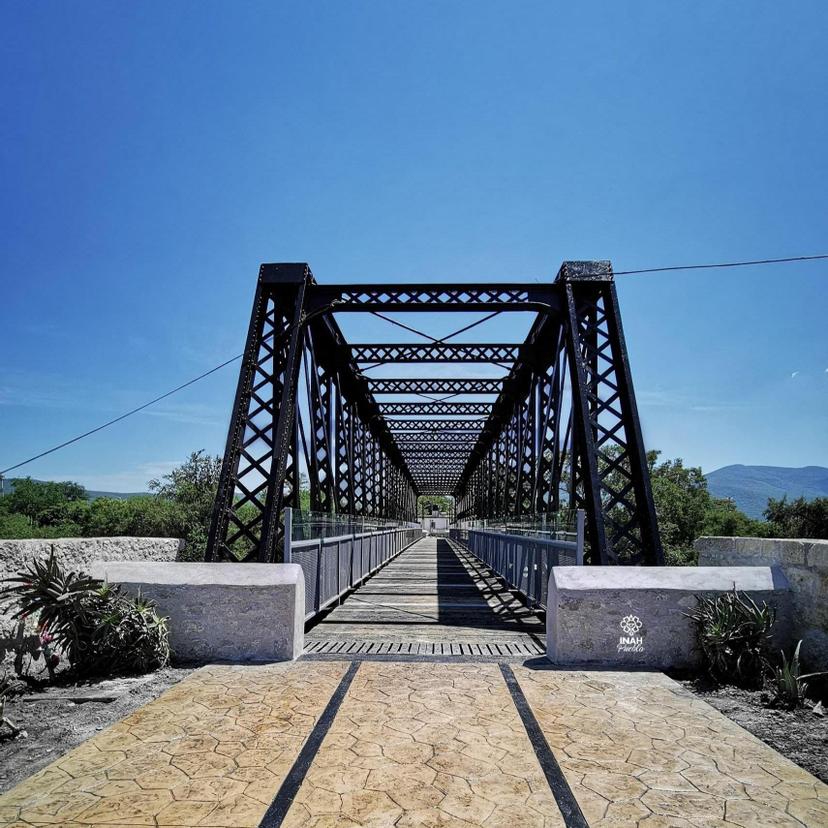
(433, 599)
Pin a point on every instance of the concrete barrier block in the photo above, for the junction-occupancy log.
(221, 611)
(637, 616)
(815, 648)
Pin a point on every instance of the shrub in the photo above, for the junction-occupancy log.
(674, 556)
(129, 636)
(799, 518)
(733, 634)
(787, 683)
(98, 628)
(4, 720)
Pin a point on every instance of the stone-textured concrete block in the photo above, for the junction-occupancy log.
(815, 647)
(637, 616)
(222, 611)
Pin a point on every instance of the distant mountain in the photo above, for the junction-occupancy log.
(93, 495)
(8, 488)
(751, 486)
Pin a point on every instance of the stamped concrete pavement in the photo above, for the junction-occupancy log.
(421, 743)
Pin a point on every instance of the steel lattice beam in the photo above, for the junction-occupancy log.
(469, 426)
(435, 386)
(562, 429)
(435, 408)
(434, 352)
(435, 441)
(431, 297)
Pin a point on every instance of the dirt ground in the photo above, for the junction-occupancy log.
(801, 735)
(55, 724)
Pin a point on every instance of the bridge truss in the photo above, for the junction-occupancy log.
(558, 427)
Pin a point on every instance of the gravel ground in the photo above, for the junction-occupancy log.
(55, 725)
(801, 735)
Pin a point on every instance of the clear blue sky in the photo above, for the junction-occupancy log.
(153, 154)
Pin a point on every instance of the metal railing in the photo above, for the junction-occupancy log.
(334, 564)
(307, 525)
(524, 561)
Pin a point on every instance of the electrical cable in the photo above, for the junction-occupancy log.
(122, 416)
(722, 264)
(746, 263)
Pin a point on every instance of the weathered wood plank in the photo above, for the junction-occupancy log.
(433, 599)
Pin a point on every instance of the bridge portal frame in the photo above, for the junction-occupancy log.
(564, 418)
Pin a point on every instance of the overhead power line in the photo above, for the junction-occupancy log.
(328, 307)
(722, 264)
(122, 416)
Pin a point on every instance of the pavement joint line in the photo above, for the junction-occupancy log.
(524, 659)
(568, 805)
(277, 810)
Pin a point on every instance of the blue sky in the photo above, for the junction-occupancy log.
(153, 154)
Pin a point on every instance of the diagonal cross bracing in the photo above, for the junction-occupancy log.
(559, 430)
(435, 386)
(435, 408)
(435, 352)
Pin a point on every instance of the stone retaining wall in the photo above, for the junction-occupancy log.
(805, 564)
(18, 639)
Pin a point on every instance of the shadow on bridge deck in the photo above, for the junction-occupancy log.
(435, 598)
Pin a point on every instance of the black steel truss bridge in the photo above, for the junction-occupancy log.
(556, 428)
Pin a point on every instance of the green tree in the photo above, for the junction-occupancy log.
(443, 504)
(685, 509)
(43, 503)
(145, 516)
(723, 518)
(192, 488)
(304, 492)
(681, 500)
(798, 518)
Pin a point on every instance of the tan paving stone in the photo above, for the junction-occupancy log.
(236, 812)
(682, 764)
(749, 814)
(184, 813)
(184, 759)
(809, 811)
(413, 744)
(470, 807)
(417, 796)
(432, 745)
(431, 818)
(370, 808)
(318, 801)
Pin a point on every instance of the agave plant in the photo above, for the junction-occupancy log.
(60, 600)
(734, 635)
(99, 628)
(787, 683)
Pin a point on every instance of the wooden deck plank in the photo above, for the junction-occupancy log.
(433, 599)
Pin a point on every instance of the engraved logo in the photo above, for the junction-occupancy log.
(631, 642)
(631, 624)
